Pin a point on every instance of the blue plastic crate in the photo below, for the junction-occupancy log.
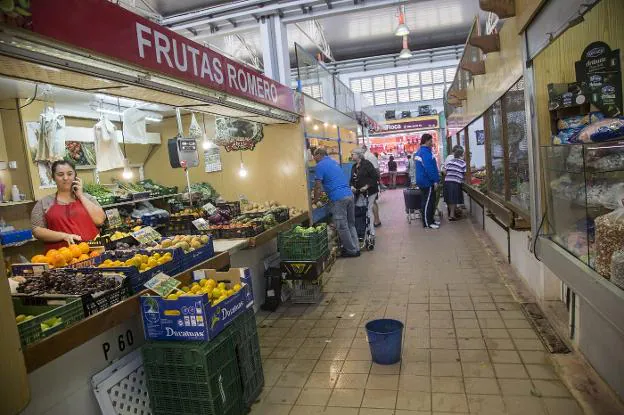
(199, 255)
(18, 235)
(136, 278)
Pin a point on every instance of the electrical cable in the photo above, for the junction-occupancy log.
(537, 236)
(30, 101)
(123, 137)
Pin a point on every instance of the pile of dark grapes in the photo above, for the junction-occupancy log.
(69, 283)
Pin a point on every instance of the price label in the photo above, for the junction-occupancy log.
(201, 224)
(162, 284)
(210, 208)
(146, 235)
(114, 220)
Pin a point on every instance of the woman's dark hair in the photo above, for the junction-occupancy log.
(425, 137)
(409, 156)
(62, 163)
(391, 158)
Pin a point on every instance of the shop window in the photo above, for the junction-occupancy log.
(494, 140)
(438, 76)
(367, 84)
(402, 80)
(426, 78)
(517, 146)
(391, 97)
(415, 94)
(427, 93)
(389, 82)
(380, 98)
(449, 74)
(404, 95)
(378, 83)
(414, 79)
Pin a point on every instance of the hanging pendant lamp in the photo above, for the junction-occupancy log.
(406, 53)
(402, 29)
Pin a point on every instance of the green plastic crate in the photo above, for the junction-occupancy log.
(249, 358)
(69, 309)
(194, 378)
(296, 247)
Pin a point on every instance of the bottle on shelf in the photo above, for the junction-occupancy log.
(15, 193)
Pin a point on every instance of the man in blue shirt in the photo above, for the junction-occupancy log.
(427, 178)
(332, 178)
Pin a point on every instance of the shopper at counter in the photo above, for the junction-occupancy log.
(330, 177)
(427, 178)
(374, 160)
(69, 215)
(364, 182)
(455, 172)
(392, 172)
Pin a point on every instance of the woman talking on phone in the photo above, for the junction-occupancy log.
(68, 216)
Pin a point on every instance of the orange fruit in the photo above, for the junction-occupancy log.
(84, 247)
(52, 251)
(93, 254)
(66, 253)
(55, 259)
(83, 257)
(39, 259)
(73, 261)
(76, 251)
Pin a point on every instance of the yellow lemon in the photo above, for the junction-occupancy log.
(221, 285)
(172, 297)
(185, 288)
(151, 263)
(195, 289)
(156, 255)
(212, 283)
(203, 282)
(230, 293)
(237, 287)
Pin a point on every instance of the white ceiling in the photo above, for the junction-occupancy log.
(433, 23)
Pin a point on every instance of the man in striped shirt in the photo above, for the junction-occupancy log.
(455, 172)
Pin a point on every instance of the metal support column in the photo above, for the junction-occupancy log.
(275, 49)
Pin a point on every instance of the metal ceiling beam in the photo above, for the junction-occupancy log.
(195, 14)
(292, 11)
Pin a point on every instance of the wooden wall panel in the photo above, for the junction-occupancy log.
(555, 64)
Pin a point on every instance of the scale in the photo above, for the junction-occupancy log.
(183, 153)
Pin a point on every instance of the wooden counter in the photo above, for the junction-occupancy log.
(507, 213)
(50, 348)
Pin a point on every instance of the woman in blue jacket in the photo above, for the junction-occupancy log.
(427, 178)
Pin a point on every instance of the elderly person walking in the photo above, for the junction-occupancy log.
(363, 182)
(455, 172)
(330, 177)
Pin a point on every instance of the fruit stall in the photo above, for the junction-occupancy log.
(75, 311)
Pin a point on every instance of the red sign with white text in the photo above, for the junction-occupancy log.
(109, 30)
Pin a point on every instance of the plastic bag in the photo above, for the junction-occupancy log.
(577, 121)
(609, 238)
(607, 129)
(617, 268)
(195, 130)
(567, 135)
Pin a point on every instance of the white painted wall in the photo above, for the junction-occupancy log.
(477, 152)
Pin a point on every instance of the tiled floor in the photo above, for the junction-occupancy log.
(467, 347)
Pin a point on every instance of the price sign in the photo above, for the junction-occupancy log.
(114, 220)
(209, 208)
(162, 284)
(146, 235)
(201, 224)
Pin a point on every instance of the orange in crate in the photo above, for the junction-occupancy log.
(84, 247)
(39, 259)
(75, 250)
(66, 253)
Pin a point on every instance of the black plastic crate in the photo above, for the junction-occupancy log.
(304, 270)
(94, 303)
(242, 232)
(233, 208)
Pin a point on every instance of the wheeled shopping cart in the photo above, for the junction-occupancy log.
(412, 203)
(363, 224)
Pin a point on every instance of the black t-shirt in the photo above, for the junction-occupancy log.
(364, 175)
(392, 166)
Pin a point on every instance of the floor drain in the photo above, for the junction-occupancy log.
(544, 329)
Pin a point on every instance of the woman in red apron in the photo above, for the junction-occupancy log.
(68, 216)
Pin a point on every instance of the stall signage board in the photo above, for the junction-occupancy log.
(600, 75)
(162, 284)
(412, 124)
(108, 29)
(114, 220)
(146, 235)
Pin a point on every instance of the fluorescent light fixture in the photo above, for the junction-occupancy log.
(127, 171)
(308, 118)
(242, 172)
(119, 114)
(316, 127)
(325, 124)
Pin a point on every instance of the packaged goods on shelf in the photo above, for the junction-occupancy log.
(576, 121)
(609, 238)
(617, 268)
(203, 320)
(607, 129)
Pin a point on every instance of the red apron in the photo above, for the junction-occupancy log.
(73, 219)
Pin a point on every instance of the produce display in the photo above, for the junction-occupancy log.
(45, 325)
(156, 189)
(59, 282)
(609, 239)
(141, 262)
(102, 194)
(187, 243)
(216, 292)
(66, 256)
(205, 190)
(197, 213)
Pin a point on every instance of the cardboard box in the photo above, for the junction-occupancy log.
(193, 318)
(565, 96)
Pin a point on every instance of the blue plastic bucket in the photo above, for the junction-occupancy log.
(385, 338)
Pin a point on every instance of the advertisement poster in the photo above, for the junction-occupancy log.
(600, 75)
(212, 160)
(480, 137)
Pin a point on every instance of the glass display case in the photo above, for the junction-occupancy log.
(496, 147)
(514, 123)
(584, 185)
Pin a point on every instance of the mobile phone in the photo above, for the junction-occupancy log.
(74, 185)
